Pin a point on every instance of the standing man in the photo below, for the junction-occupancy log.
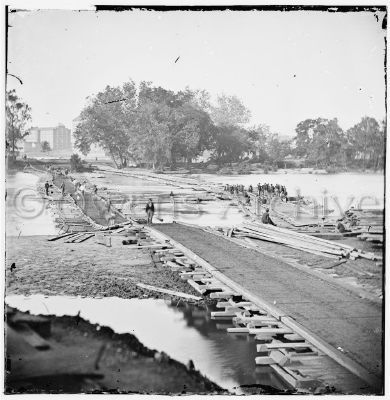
(82, 188)
(63, 188)
(150, 211)
(47, 188)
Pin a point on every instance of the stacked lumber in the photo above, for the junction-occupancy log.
(299, 241)
(79, 237)
(367, 224)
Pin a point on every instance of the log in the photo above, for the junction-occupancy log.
(60, 237)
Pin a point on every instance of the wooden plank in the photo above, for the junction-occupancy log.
(73, 238)
(195, 286)
(257, 319)
(222, 304)
(238, 330)
(222, 295)
(264, 361)
(88, 236)
(240, 303)
(60, 237)
(284, 375)
(226, 313)
(255, 331)
(280, 345)
(167, 291)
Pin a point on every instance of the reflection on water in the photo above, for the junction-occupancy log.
(181, 330)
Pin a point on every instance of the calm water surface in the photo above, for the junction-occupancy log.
(341, 191)
(26, 210)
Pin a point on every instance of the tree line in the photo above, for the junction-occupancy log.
(152, 126)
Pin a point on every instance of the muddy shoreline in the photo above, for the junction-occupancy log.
(97, 360)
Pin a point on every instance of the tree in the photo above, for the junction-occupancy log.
(321, 141)
(258, 136)
(76, 163)
(192, 131)
(45, 146)
(18, 114)
(326, 146)
(153, 143)
(367, 139)
(230, 144)
(276, 150)
(229, 111)
(179, 127)
(109, 120)
(303, 140)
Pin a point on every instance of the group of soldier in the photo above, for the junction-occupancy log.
(262, 190)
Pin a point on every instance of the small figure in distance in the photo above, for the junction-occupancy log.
(150, 211)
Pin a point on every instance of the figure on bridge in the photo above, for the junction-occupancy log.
(266, 219)
(150, 211)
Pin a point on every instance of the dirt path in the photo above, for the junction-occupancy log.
(338, 316)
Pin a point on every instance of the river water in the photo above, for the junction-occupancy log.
(339, 192)
(27, 214)
(183, 331)
(26, 211)
(342, 190)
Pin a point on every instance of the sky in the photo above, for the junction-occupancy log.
(284, 66)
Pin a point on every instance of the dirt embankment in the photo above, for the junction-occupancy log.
(85, 269)
(70, 355)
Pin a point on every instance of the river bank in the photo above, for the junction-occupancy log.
(86, 269)
(82, 357)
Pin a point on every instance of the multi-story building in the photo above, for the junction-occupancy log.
(59, 139)
(62, 138)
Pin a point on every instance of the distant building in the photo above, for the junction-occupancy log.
(59, 139)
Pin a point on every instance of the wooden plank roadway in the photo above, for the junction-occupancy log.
(340, 317)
